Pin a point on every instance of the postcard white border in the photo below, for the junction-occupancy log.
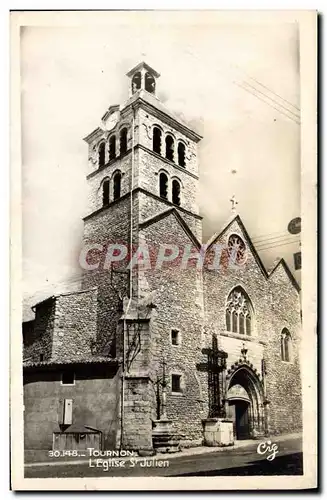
(307, 26)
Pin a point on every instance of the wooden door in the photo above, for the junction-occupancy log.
(242, 420)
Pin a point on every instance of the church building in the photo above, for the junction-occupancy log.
(185, 341)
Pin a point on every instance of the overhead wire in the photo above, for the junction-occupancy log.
(246, 75)
(267, 247)
(280, 97)
(263, 238)
(273, 100)
(268, 104)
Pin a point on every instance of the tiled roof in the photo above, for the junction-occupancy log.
(53, 364)
(80, 428)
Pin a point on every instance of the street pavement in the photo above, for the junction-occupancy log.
(238, 461)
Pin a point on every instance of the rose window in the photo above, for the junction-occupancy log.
(237, 249)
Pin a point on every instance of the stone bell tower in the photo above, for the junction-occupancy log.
(143, 77)
(142, 165)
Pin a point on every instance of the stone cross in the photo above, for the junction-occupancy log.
(234, 203)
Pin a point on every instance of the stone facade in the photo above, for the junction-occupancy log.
(65, 328)
(211, 362)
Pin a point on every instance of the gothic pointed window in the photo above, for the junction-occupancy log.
(163, 185)
(150, 83)
(136, 82)
(176, 192)
(156, 140)
(285, 343)
(239, 312)
(105, 193)
(102, 154)
(123, 141)
(169, 148)
(117, 185)
(112, 147)
(181, 154)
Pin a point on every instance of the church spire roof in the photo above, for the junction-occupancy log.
(143, 66)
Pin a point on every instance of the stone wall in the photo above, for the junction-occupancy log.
(150, 207)
(284, 378)
(276, 305)
(75, 325)
(110, 226)
(64, 329)
(95, 398)
(38, 341)
(179, 300)
(138, 413)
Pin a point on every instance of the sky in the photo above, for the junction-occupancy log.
(236, 83)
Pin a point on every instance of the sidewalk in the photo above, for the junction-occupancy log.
(199, 450)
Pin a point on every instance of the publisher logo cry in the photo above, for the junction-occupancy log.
(96, 256)
(269, 449)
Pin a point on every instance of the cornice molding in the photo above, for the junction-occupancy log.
(148, 193)
(162, 158)
(165, 117)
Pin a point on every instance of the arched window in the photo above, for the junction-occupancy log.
(117, 185)
(150, 83)
(105, 193)
(163, 185)
(181, 154)
(123, 141)
(239, 312)
(176, 192)
(169, 148)
(156, 140)
(285, 345)
(112, 147)
(102, 153)
(136, 82)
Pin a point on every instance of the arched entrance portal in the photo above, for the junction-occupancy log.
(238, 410)
(245, 403)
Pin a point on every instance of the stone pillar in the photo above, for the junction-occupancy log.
(143, 71)
(137, 415)
(250, 414)
(137, 390)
